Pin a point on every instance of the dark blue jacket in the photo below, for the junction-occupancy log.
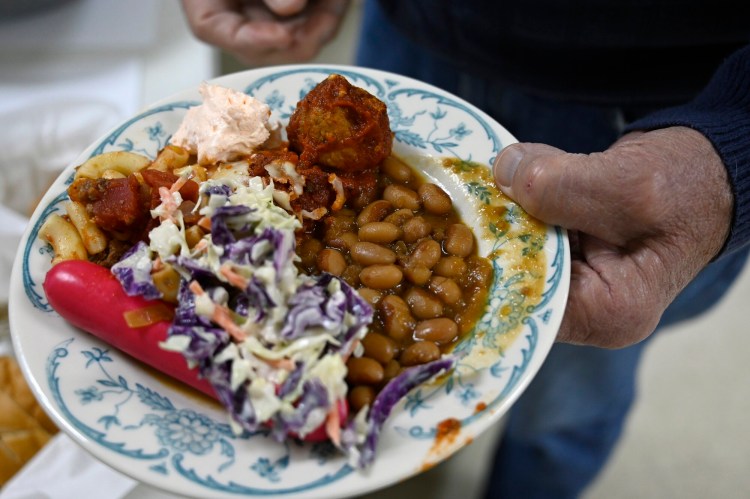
(614, 52)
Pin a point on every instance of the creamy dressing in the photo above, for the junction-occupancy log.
(226, 126)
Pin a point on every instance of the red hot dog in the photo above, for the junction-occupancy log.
(91, 298)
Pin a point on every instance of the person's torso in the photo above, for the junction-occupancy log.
(594, 50)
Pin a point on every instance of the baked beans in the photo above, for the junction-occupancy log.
(379, 232)
(412, 258)
(332, 261)
(367, 253)
(374, 212)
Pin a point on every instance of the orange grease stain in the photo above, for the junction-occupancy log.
(446, 433)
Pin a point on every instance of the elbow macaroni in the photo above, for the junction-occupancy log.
(93, 238)
(76, 236)
(171, 158)
(64, 238)
(103, 165)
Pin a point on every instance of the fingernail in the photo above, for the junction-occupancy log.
(505, 167)
(286, 7)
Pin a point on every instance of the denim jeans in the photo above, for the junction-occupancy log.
(563, 428)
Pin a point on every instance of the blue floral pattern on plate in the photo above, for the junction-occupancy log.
(137, 421)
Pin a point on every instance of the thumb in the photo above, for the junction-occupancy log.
(586, 192)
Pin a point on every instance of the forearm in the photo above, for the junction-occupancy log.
(721, 113)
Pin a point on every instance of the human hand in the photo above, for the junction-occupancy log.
(644, 217)
(264, 32)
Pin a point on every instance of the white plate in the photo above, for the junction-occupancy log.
(161, 434)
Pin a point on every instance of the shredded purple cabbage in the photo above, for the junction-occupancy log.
(390, 395)
(292, 381)
(313, 306)
(255, 249)
(239, 406)
(314, 397)
(134, 272)
(285, 250)
(224, 228)
(194, 269)
(218, 190)
(258, 297)
(361, 310)
(206, 340)
(309, 308)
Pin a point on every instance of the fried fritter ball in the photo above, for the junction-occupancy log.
(340, 126)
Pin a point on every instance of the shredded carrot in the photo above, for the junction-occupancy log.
(221, 315)
(169, 204)
(333, 425)
(233, 277)
(200, 246)
(166, 197)
(223, 318)
(196, 288)
(283, 363)
(178, 184)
